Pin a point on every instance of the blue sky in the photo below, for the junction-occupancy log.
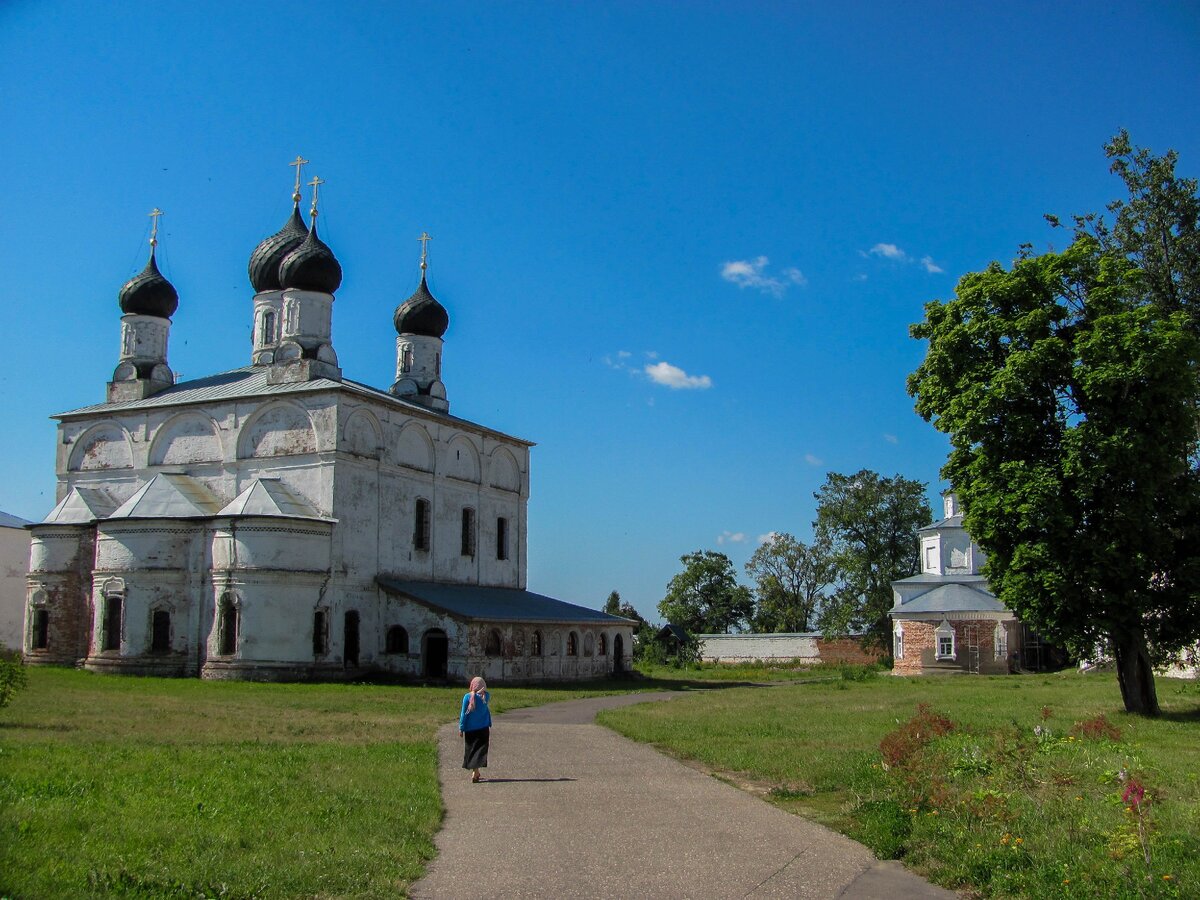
(680, 243)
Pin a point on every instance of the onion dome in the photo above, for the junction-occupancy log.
(148, 293)
(265, 260)
(421, 314)
(311, 266)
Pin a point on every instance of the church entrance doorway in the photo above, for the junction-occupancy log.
(351, 655)
(618, 655)
(435, 653)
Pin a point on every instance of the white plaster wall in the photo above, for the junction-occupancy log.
(740, 647)
(14, 560)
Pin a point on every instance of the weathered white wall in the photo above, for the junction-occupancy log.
(745, 647)
(14, 562)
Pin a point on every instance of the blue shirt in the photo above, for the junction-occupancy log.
(479, 717)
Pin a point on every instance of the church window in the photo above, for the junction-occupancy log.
(931, 558)
(945, 641)
(602, 645)
(421, 525)
(291, 314)
(126, 340)
(437, 365)
(468, 531)
(397, 640)
(41, 629)
(1001, 641)
(320, 633)
(535, 644)
(406, 359)
(111, 639)
(898, 641)
(227, 634)
(572, 644)
(267, 328)
(502, 538)
(493, 646)
(160, 631)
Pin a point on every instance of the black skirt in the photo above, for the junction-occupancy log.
(475, 748)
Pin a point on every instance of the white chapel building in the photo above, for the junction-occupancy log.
(279, 521)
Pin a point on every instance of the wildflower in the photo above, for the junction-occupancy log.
(1066, 881)
(1168, 877)
(1134, 792)
(1078, 798)
(1020, 840)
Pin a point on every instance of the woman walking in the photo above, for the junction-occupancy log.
(475, 724)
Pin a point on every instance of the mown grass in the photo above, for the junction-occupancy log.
(990, 805)
(145, 787)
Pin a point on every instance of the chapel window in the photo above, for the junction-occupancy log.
(898, 639)
(160, 631)
(602, 645)
(227, 634)
(421, 525)
(931, 558)
(320, 633)
(267, 335)
(468, 531)
(535, 644)
(572, 644)
(945, 641)
(501, 538)
(493, 646)
(111, 639)
(397, 640)
(41, 629)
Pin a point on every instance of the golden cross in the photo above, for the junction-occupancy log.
(299, 162)
(154, 214)
(424, 239)
(315, 184)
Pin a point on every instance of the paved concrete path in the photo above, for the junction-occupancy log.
(570, 809)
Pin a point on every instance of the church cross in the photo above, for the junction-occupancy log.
(315, 184)
(299, 162)
(154, 214)
(424, 239)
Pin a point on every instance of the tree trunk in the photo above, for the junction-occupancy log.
(1135, 674)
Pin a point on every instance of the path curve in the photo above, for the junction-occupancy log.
(571, 809)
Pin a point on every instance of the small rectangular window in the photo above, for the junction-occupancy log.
(421, 525)
(945, 646)
(320, 633)
(41, 629)
(502, 538)
(160, 631)
(468, 532)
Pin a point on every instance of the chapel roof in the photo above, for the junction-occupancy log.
(495, 604)
(81, 506)
(264, 261)
(148, 293)
(942, 524)
(169, 495)
(952, 598)
(421, 314)
(268, 496)
(252, 381)
(10, 521)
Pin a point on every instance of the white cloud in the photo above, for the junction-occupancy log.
(890, 251)
(768, 537)
(731, 537)
(859, 277)
(930, 266)
(752, 273)
(813, 460)
(891, 438)
(675, 378)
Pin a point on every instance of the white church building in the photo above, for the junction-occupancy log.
(279, 521)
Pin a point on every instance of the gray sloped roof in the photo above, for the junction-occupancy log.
(941, 524)
(169, 495)
(928, 578)
(80, 506)
(268, 496)
(495, 604)
(11, 521)
(251, 381)
(952, 598)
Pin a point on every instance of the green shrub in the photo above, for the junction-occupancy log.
(12, 676)
(884, 826)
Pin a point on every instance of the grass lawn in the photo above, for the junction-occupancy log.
(149, 787)
(1024, 792)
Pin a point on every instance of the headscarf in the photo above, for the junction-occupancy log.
(478, 687)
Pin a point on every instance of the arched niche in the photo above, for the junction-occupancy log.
(462, 460)
(189, 437)
(281, 429)
(103, 446)
(503, 472)
(414, 447)
(360, 435)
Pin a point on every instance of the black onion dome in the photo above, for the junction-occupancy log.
(149, 294)
(265, 260)
(422, 314)
(311, 266)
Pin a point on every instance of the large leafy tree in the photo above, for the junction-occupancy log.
(791, 579)
(870, 523)
(705, 598)
(1067, 385)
